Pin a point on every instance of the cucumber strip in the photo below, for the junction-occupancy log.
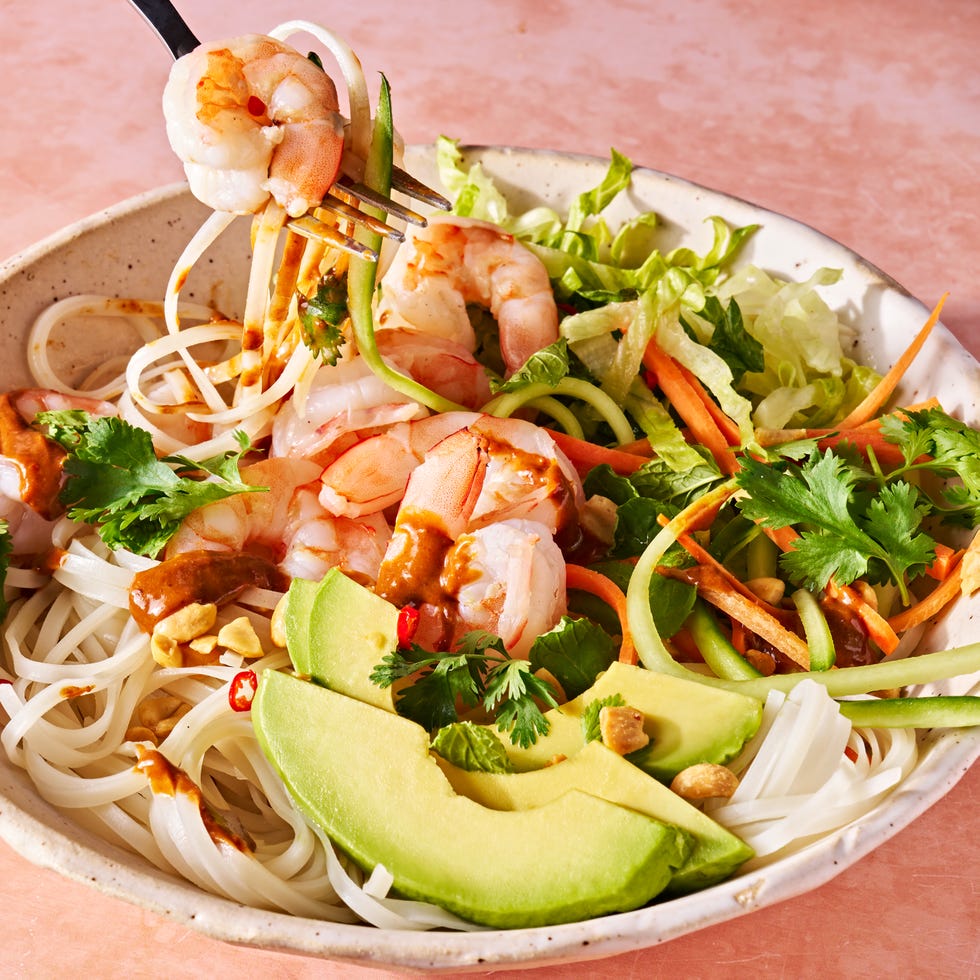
(715, 647)
(955, 711)
(818, 636)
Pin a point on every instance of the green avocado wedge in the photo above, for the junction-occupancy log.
(716, 852)
(336, 631)
(687, 722)
(366, 777)
(339, 633)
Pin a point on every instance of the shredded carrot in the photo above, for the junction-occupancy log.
(944, 562)
(689, 406)
(932, 604)
(715, 589)
(584, 455)
(879, 629)
(704, 557)
(641, 447)
(876, 398)
(739, 637)
(782, 537)
(597, 584)
(727, 426)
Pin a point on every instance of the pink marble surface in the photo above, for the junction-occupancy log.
(860, 119)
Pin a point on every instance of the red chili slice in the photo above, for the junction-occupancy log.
(242, 690)
(408, 623)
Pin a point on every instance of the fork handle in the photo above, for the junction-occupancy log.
(162, 16)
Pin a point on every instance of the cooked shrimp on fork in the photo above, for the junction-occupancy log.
(252, 118)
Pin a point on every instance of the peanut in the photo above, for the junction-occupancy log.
(704, 781)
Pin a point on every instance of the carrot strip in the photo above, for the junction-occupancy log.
(727, 426)
(584, 455)
(689, 406)
(876, 398)
(704, 557)
(597, 584)
(714, 588)
(932, 604)
(944, 562)
(879, 629)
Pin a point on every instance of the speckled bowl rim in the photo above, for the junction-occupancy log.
(38, 832)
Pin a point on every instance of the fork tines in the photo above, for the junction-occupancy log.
(343, 200)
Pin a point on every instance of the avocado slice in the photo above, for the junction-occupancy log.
(687, 722)
(716, 852)
(337, 631)
(339, 637)
(365, 776)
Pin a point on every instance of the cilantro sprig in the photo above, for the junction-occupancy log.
(478, 671)
(844, 532)
(115, 481)
(321, 317)
(932, 440)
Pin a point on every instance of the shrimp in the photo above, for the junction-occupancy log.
(251, 117)
(348, 399)
(458, 261)
(373, 474)
(30, 465)
(508, 579)
(286, 525)
(473, 543)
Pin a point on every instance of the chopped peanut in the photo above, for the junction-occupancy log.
(166, 651)
(598, 518)
(768, 589)
(277, 625)
(704, 781)
(764, 663)
(188, 622)
(156, 716)
(866, 592)
(621, 728)
(204, 645)
(239, 637)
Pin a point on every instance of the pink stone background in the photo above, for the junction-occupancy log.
(862, 119)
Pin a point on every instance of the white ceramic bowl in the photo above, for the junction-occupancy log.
(129, 250)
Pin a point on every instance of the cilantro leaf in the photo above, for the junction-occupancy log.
(838, 536)
(115, 481)
(321, 316)
(511, 690)
(479, 669)
(932, 440)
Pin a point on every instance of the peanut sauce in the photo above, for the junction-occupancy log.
(39, 459)
(198, 576)
(167, 780)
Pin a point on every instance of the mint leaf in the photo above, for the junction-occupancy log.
(730, 340)
(574, 651)
(547, 366)
(472, 747)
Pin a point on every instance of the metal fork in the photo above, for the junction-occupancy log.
(346, 193)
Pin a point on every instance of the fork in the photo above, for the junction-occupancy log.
(171, 28)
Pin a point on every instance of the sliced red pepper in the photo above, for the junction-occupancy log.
(408, 624)
(242, 690)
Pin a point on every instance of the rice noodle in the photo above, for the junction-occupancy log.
(807, 772)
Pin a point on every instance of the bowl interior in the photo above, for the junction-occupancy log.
(131, 249)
